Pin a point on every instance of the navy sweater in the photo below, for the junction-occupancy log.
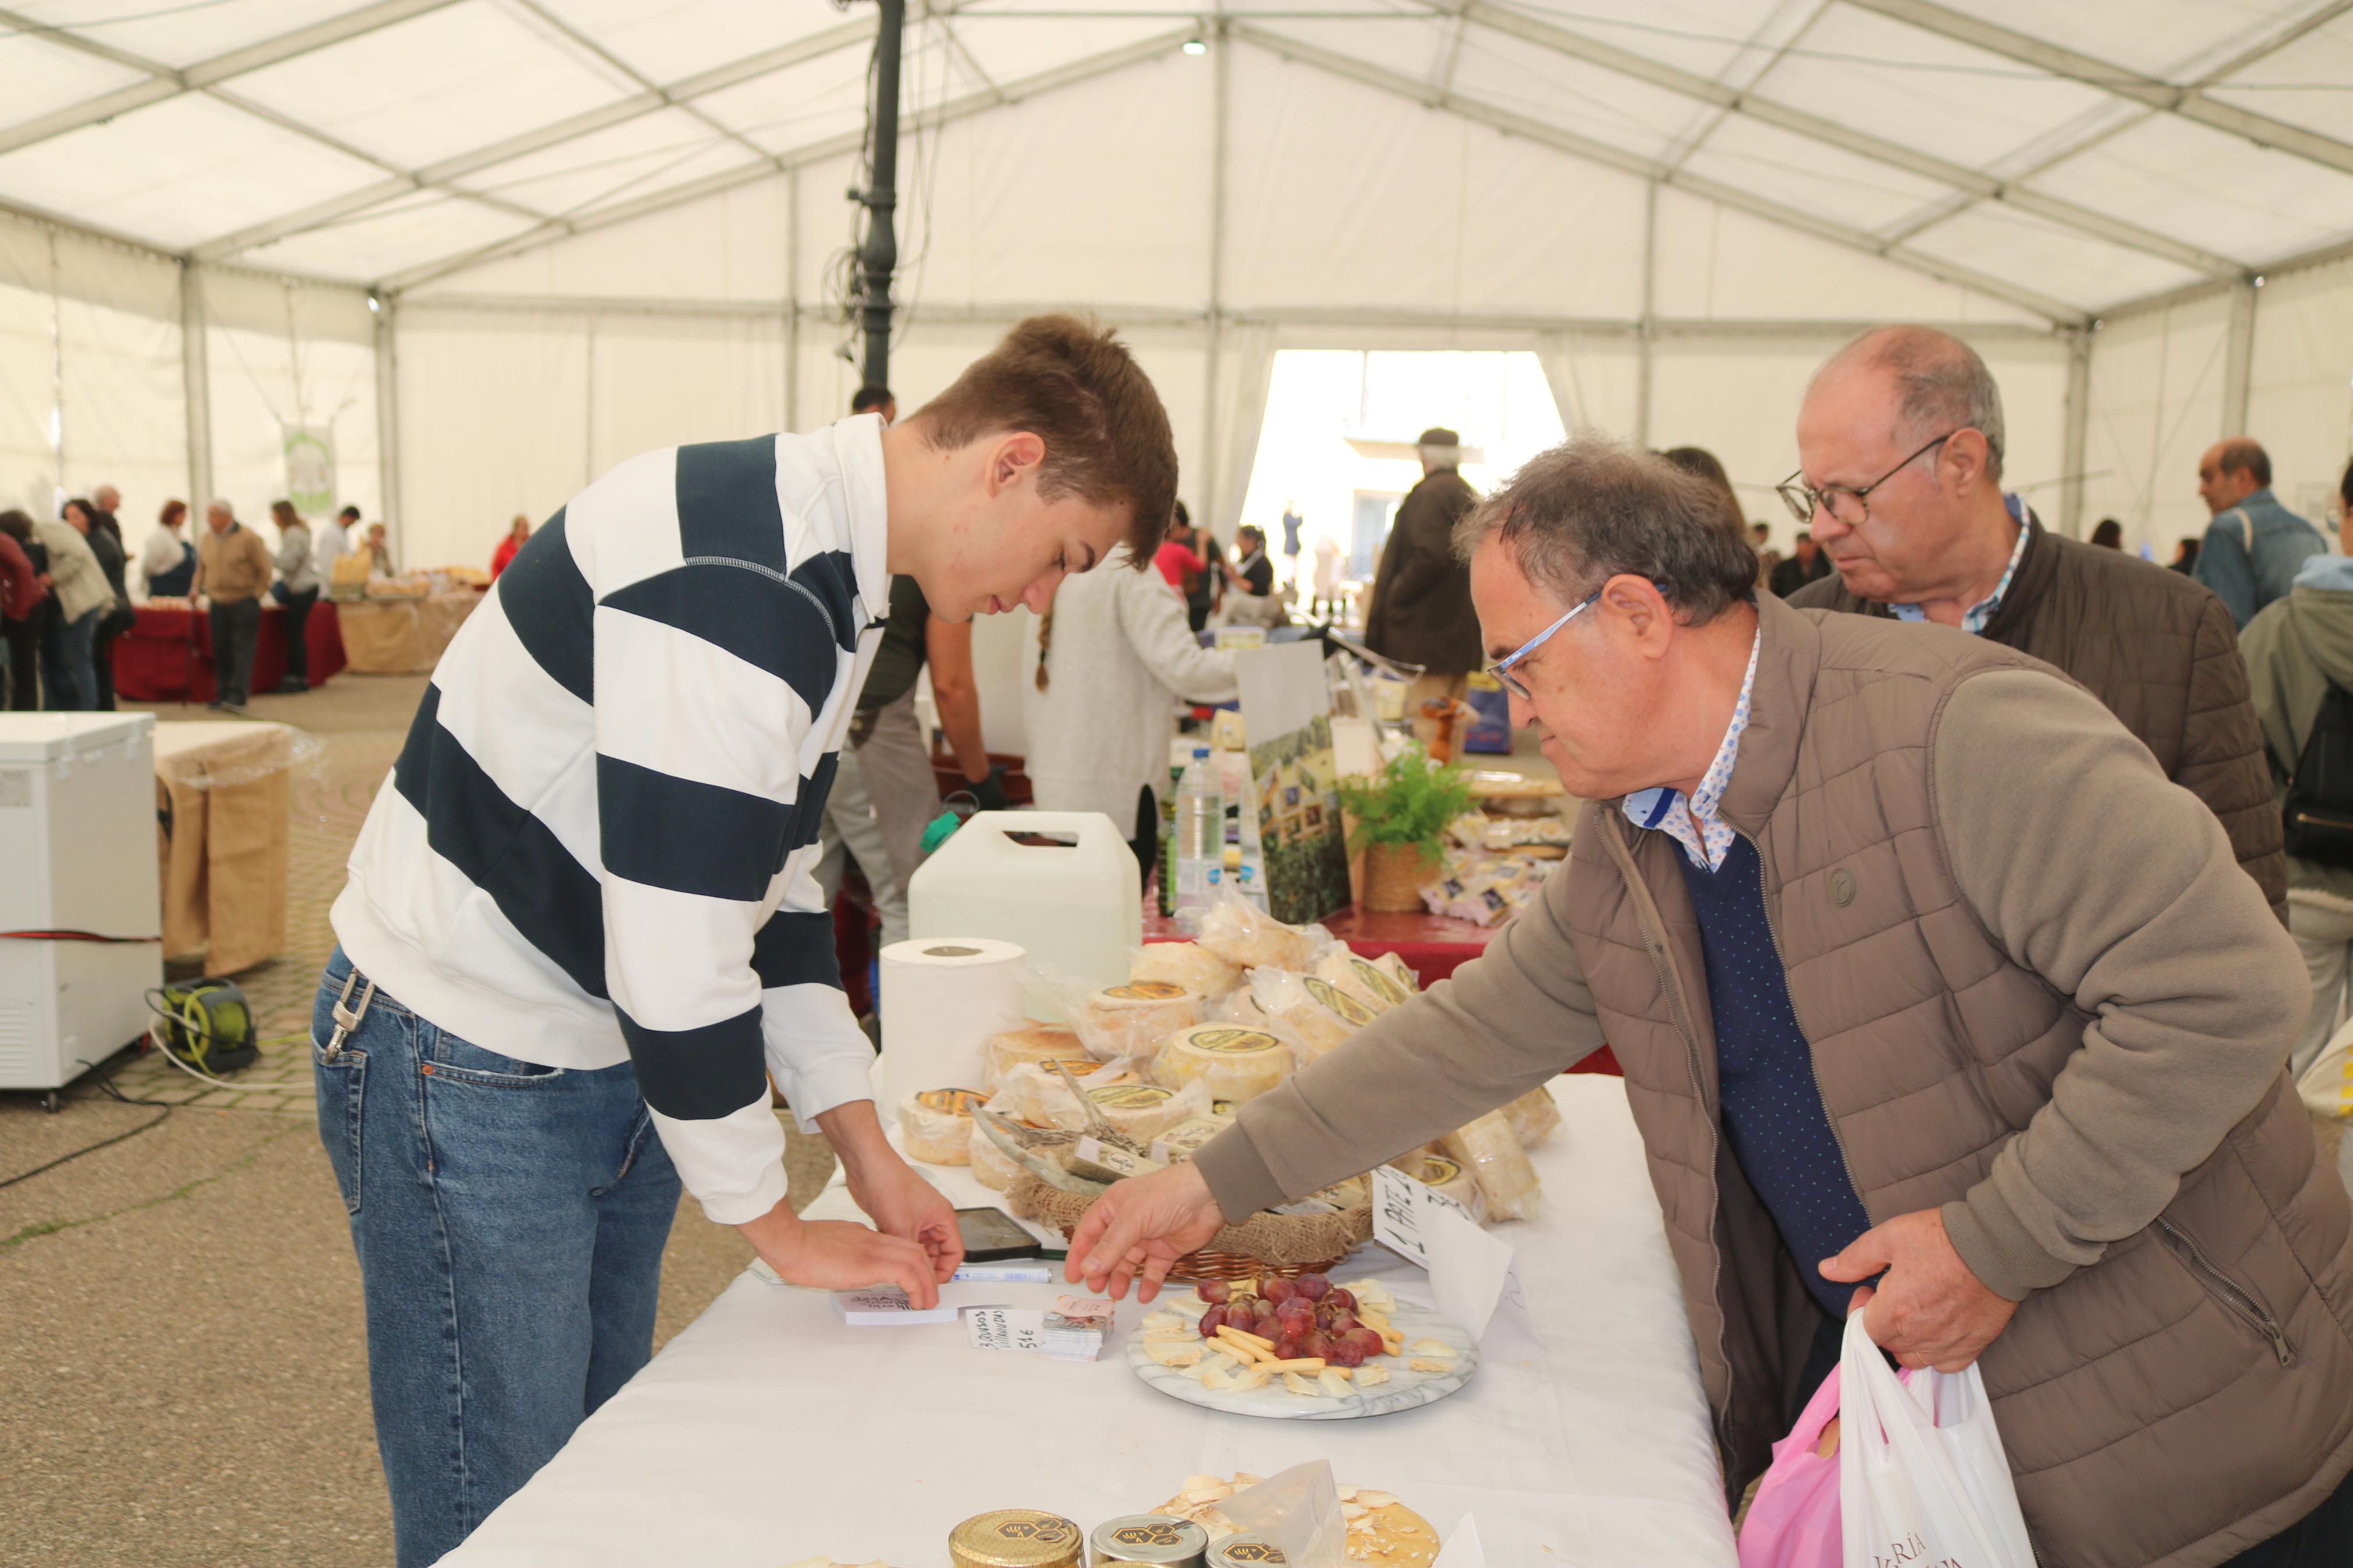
(1772, 1108)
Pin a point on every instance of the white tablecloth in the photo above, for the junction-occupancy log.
(767, 1432)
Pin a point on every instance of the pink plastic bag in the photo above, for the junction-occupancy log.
(1794, 1520)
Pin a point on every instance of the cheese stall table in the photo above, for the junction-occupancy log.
(221, 793)
(403, 635)
(167, 654)
(768, 1432)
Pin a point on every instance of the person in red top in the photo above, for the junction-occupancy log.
(508, 545)
(21, 592)
(1176, 560)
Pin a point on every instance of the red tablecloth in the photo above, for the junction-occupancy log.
(167, 656)
(1432, 946)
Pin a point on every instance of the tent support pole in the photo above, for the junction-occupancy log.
(195, 384)
(2077, 417)
(1648, 331)
(877, 257)
(793, 297)
(2238, 361)
(1206, 495)
(388, 412)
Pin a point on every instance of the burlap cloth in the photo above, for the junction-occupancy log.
(1277, 1238)
(221, 793)
(402, 636)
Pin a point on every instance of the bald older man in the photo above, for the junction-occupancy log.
(1900, 440)
(2254, 546)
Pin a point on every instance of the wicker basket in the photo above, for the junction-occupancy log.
(1394, 874)
(1264, 1245)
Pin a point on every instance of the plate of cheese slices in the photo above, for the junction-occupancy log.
(1301, 1349)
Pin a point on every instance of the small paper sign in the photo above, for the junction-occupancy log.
(1471, 1272)
(1004, 1328)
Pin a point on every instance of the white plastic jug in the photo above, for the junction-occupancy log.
(1077, 908)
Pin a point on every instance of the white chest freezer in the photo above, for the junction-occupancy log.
(77, 855)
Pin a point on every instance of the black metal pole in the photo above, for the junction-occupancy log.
(877, 257)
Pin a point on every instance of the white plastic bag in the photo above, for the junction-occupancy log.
(1922, 1476)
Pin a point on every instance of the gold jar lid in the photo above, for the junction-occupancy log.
(1148, 1538)
(1016, 1538)
(1245, 1551)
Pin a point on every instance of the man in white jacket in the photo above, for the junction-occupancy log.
(1107, 662)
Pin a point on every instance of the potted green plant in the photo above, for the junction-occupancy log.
(1401, 815)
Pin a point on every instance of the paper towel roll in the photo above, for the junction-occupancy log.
(942, 996)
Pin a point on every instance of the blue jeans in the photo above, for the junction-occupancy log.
(69, 683)
(509, 1221)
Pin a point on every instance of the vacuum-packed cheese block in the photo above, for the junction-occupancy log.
(1143, 1110)
(1534, 1117)
(935, 1125)
(1448, 1176)
(1032, 1045)
(1497, 1163)
(1181, 1142)
(1390, 964)
(1237, 1064)
(1185, 963)
(1243, 934)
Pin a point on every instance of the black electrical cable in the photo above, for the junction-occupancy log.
(106, 1082)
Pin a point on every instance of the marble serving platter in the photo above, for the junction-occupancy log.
(1405, 1390)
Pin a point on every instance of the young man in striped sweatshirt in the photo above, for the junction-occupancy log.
(581, 931)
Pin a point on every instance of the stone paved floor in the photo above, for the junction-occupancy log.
(182, 1368)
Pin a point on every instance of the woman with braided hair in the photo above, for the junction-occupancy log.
(1109, 661)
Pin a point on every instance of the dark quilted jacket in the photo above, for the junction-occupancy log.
(2161, 652)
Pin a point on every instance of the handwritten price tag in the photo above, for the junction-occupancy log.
(1004, 1328)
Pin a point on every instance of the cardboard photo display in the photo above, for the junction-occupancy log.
(1294, 781)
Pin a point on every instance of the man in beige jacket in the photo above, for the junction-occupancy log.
(233, 569)
(1936, 1000)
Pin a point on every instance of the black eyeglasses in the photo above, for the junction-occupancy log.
(1848, 505)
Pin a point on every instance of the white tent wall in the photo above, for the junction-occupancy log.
(2155, 403)
(2300, 397)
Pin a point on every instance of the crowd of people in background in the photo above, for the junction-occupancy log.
(69, 587)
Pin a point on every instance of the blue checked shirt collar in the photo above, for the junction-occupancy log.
(1973, 619)
(1693, 823)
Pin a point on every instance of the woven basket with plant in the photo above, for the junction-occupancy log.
(1401, 815)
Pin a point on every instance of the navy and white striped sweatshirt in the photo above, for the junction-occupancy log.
(598, 843)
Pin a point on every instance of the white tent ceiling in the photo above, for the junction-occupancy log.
(2067, 159)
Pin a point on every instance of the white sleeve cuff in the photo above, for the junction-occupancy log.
(820, 1056)
(734, 1165)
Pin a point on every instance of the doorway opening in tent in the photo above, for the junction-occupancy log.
(1335, 450)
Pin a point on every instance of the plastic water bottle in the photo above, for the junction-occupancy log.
(1201, 829)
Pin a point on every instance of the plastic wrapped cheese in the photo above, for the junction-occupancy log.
(1387, 990)
(1145, 1111)
(1240, 932)
(1129, 1020)
(1185, 963)
(1031, 1044)
(1237, 1064)
(1336, 967)
(1318, 1012)
(1390, 964)
(1449, 1178)
(1181, 1142)
(1534, 1117)
(1497, 1163)
(991, 1166)
(935, 1125)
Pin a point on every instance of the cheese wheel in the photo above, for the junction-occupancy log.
(1185, 963)
(1127, 1019)
(935, 1125)
(991, 1166)
(1180, 1143)
(1142, 1110)
(1386, 989)
(1338, 967)
(1390, 964)
(1037, 1094)
(1497, 1163)
(1237, 1064)
(1033, 1044)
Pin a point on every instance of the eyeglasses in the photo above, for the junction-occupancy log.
(1502, 668)
(1847, 505)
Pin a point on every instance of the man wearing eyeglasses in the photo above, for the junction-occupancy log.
(1936, 1002)
(1900, 440)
